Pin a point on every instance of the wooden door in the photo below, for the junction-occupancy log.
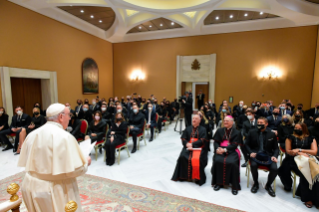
(205, 90)
(26, 92)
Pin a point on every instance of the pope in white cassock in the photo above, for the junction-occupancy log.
(52, 159)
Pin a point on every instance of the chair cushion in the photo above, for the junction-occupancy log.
(99, 142)
(79, 139)
(138, 135)
(119, 146)
(12, 134)
(83, 127)
(263, 167)
(283, 150)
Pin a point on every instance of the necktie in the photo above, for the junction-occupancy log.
(252, 123)
(275, 118)
(261, 142)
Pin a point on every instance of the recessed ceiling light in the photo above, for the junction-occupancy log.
(217, 18)
(246, 14)
(161, 24)
(92, 16)
(261, 13)
(150, 25)
(231, 16)
(100, 21)
(172, 23)
(140, 27)
(82, 11)
(70, 5)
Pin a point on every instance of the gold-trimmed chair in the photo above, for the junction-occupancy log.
(83, 129)
(140, 135)
(260, 167)
(99, 144)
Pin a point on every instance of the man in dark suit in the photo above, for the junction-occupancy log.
(150, 117)
(68, 105)
(312, 113)
(262, 143)
(78, 108)
(19, 121)
(136, 122)
(188, 109)
(283, 110)
(86, 114)
(200, 99)
(94, 106)
(274, 120)
(251, 123)
(238, 110)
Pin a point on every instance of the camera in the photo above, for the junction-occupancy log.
(181, 98)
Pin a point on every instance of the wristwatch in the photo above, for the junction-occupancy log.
(299, 150)
(225, 150)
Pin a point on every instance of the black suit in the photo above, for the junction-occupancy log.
(76, 129)
(200, 100)
(94, 108)
(22, 121)
(188, 110)
(270, 147)
(87, 116)
(78, 110)
(137, 121)
(99, 130)
(272, 123)
(247, 126)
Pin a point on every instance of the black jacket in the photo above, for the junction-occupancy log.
(38, 122)
(23, 122)
(120, 131)
(137, 120)
(247, 126)
(87, 116)
(99, 129)
(4, 121)
(270, 142)
(283, 132)
(76, 129)
(240, 121)
(272, 124)
(188, 105)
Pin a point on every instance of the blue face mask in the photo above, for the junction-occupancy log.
(283, 108)
(285, 120)
(85, 109)
(135, 110)
(224, 110)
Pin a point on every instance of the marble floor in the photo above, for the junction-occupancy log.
(153, 165)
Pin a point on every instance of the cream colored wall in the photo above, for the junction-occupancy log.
(240, 58)
(29, 40)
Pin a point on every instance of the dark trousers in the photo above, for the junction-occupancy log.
(159, 124)
(152, 131)
(273, 171)
(245, 152)
(5, 140)
(110, 150)
(188, 119)
(134, 132)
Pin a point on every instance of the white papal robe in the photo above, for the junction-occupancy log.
(52, 159)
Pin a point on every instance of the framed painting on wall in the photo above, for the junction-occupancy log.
(90, 77)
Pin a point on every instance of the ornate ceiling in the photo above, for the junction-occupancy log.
(130, 20)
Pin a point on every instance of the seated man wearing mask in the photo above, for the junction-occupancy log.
(87, 115)
(75, 127)
(105, 114)
(262, 147)
(238, 110)
(274, 120)
(251, 123)
(150, 117)
(192, 162)
(285, 129)
(119, 109)
(136, 122)
(283, 110)
(94, 106)
(225, 169)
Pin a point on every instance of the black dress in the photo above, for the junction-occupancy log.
(98, 129)
(314, 131)
(119, 138)
(288, 164)
(283, 132)
(37, 121)
(225, 169)
(184, 170)
(210, 116)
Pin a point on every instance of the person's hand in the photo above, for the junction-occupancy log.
(112, 133)
(275, 131)
(89, 160)
(148, 125)
(274, 159)
(253, 155)
(295, 151)
(303, 154)
(87, 137)
(189, 145)
(311, 117)
(131, 127)
(93, 134)
(184, 101)
(31, 126)
(14, 129)
(219, 151)
(112, 139)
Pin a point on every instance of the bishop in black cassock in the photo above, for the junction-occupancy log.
(225, 169)
(192, 162)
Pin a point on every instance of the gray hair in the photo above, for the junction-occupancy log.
(55, 117)
(289, 118)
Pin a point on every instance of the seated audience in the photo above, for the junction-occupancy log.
(19, 121)
(284, 130)
(86, 114)
(120, 109)
(42, 112)
(150, 116)
(297, 118)
(210, 116)
(223, 113)
(97, 128)
(262, 146)
(299, 143)
(274, 120)
(94, 106)
(314, 130)
(161, 111)
(115, 136)
(238, 110)
(136, 122)
(37, 121)
(312, 114)
(224, 105)
(263, 110)
(248, 125)
(283, 110)
(242, 118)
(105, 114)
(191, 163)
(78, 108)
(4, 118)
(225, 169)
(205, 123)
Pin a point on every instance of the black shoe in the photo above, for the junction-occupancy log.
(16, 153)
(270, 191)
(133, 150)
(255, 188)
(234, 192)
(151, 139)
(7, 148)
(244, 164)
(216, 187)
(287, 189)
(100, 150)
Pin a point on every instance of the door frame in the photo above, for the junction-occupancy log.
(194, 91)
(48, 85)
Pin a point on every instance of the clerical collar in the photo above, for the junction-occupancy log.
(195, 127)
(55, 123)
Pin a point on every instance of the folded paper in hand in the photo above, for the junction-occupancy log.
(87, 147)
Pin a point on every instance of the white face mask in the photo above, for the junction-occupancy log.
(150, 108)
(93, 103)
(240, 105)
(19, 112)
(119, 110)
(1, 112)
(135, 110)
(250, 117)
(103, 109)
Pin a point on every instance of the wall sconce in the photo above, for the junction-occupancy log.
(137, 75)
(270, 73)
